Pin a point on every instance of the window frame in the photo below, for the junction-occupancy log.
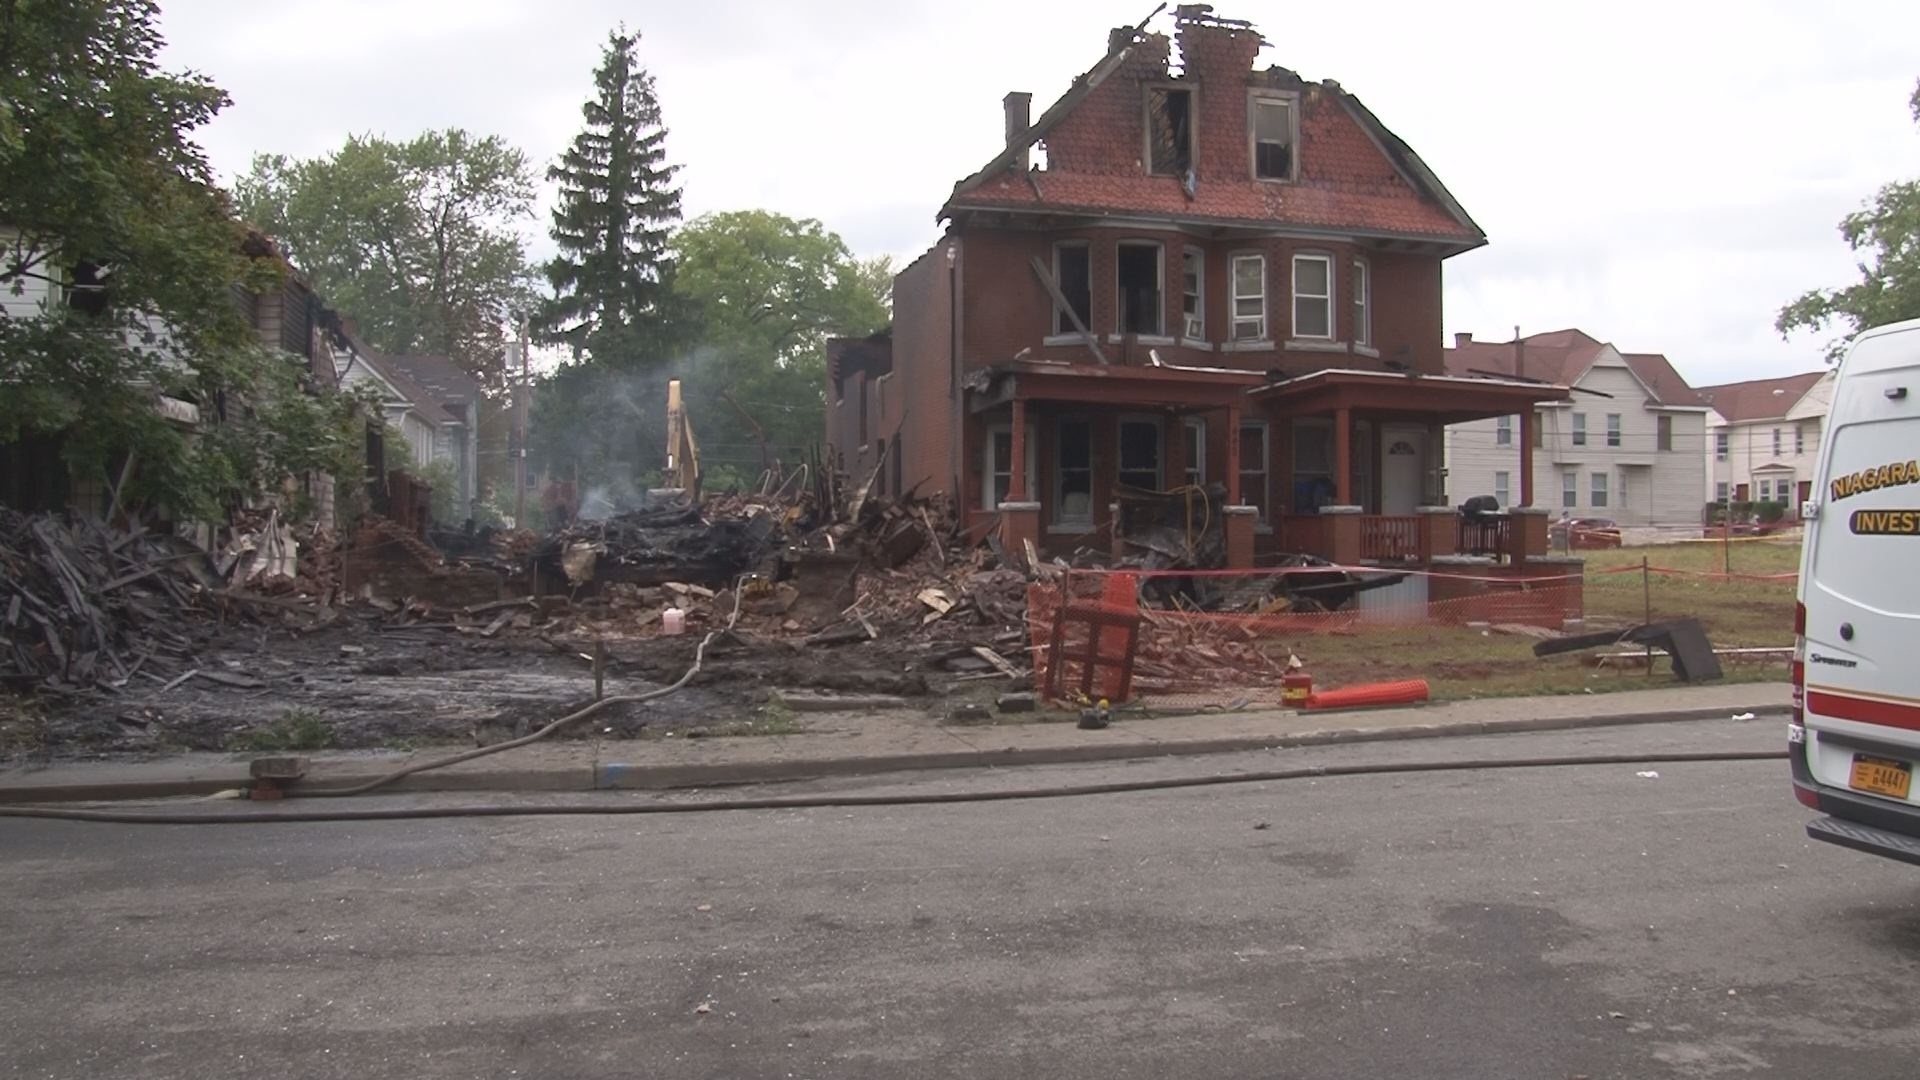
(1060, 470)
(1159, 449)
(1570, 489)
(1503, 431)
(1722, 444)
(1159, 288)
(1578, 432)
(1722, 491)
(1776, 442)
(1291, 101)
(1146, 124)
(1263, 330)
(1193, 327)
(1265, 471)
(1799, 438)
(1293, 329)
(1063, 326)
(1663, 433)
(1613, 429)
(1503, 487)
(989, 464)
(1362, 303)
(1195, 473)
(1600, 481)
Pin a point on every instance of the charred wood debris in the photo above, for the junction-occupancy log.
(89, 609)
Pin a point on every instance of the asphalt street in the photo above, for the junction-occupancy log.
(1558, 923)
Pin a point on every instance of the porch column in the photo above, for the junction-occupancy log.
(1233, 455)
(1527, 422)
(1343, 456)
(1017, 471)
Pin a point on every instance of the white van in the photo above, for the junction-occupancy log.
(1855, 735)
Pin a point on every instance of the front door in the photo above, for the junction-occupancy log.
(1402, 468)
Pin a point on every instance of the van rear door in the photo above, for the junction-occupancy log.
(1860, 575)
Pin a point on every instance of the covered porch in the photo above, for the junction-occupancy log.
(1345, 465)
(1362, 457)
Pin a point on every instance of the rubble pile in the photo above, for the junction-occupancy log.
(83, 606)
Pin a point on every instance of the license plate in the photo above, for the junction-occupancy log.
(1881, 776)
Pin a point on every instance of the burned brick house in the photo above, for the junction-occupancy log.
(1220, 276)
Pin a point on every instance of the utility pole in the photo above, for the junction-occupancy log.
(521, 393)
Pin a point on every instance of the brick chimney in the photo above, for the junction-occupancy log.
(1462, 340)
(1019, 108)
(1217, 51)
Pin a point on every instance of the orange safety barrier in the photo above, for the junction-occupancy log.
(1399, 692)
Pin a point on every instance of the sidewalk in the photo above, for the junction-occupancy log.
(843, 744)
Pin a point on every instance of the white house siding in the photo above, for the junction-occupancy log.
(1662, 487)
(1750, 455)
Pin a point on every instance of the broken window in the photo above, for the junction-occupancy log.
(1140, 454)
(1194, 275)
(999, 466)
(1253, 465)
(1141, 311)
(1272, 122)
(1073, 273)
(1362, 304)
(1312, 296)
(1249, 297)
(1169, 131)
(1073, 473)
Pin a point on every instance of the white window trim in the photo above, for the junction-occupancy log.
(1060, 521)
(1722, 444)
(1663, 425)
(1722, 491)
(1570, 486)
(1146, 124)
(1159, 335)
(1577, 430)
(1262, 339)
(1333, 322)
(1362, 304)
(1616, 429)
(1503, 487)
(1599, 490)
(988, 465)
(1073, 336)
(1292, 102)
(1266, 466)
(1196, 472)
(1188, 332)
(1503, 431)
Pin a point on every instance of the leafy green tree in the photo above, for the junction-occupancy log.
(760, 293)
(417, 242)
(617, 205)
(118, 256)
(1887, 234)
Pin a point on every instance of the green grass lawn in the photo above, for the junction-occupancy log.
(1464, 663)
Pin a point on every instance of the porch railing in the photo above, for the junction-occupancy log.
(1395, 539)
(1486, 536)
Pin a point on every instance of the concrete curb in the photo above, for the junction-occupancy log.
(621, 776)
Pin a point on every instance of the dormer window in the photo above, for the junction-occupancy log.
(1169, 131)
(1273, 132)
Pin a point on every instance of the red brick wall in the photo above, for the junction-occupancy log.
(922, 351)
(1106, 132)
(1008, 310)
(1218, 61)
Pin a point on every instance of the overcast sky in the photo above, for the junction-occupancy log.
(1662, 175)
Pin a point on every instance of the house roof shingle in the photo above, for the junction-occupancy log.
(1563, 356)
(448, 385)
(1756, 399)
(1354, 173)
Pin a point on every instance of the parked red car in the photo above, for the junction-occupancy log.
(1584, 534)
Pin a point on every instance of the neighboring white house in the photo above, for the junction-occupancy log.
(429, 399)
(1765, 438)
(1627, 447)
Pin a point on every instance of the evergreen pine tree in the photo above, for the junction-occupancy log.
(617, 204)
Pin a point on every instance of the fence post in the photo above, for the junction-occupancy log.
(1646, 600)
